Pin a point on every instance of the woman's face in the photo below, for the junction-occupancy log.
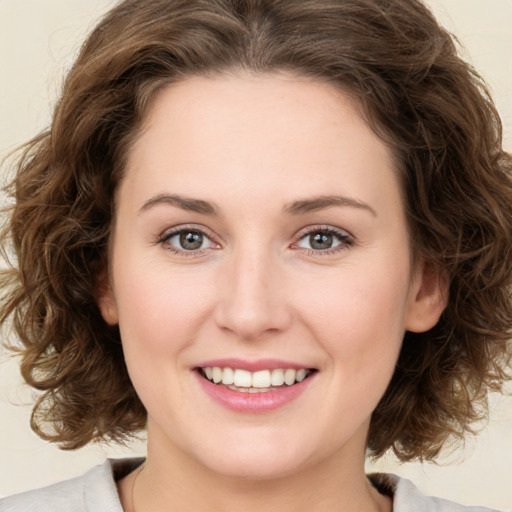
(261, 236)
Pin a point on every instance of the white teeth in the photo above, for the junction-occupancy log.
(228, 376)
(301, 375)
(277, 378)
(243, 378)
(217, 375)
(249, 390)
(289, 376)
(259, 381)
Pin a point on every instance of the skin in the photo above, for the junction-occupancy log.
(253, 146)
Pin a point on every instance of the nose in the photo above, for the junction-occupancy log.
(253, 299)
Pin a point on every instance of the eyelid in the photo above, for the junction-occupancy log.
(169, 233)
(346, 239)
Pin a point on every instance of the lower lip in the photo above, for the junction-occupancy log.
(240, 401)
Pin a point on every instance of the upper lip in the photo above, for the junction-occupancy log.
(252, 366)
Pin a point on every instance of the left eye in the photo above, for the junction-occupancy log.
(188, 240)
(323, 240)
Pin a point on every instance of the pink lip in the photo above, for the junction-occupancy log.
(254, 403)
(252, 366)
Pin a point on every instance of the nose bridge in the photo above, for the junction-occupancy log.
(252, 300)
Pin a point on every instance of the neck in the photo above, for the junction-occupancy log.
(174, 482)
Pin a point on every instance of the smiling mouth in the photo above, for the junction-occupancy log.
(261, 381)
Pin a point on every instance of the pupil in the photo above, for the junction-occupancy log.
(321, 241)
(191, 240)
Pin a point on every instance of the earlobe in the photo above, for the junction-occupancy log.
(107, 303)
(429, 297)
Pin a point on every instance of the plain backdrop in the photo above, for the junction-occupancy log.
(38, 40)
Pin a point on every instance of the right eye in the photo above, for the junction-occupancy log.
(186, 240)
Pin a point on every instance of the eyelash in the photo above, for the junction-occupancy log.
(345, 241)
(166, 237)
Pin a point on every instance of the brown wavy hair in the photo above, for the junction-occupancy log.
(427, 104)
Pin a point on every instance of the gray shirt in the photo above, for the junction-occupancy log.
(96, 492)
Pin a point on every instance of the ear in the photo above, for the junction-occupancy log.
(428, 297)
(106, 300)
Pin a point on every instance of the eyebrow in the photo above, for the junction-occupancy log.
(185, 203)
(295, 208)
(319, 203)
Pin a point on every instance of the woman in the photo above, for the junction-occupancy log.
(275, 234)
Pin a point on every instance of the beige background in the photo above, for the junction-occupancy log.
(38, 39)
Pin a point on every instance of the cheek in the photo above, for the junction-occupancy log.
(359, 319)
(160, 309)
(158, 320)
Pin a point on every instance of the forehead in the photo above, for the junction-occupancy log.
(260, 132)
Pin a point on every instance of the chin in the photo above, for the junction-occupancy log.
(259, 467)
(262, 458)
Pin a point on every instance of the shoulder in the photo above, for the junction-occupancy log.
(406, 496)
(95, 491)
